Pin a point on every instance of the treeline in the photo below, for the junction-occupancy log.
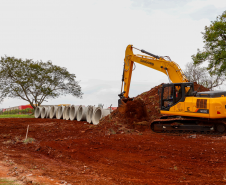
(17, 111)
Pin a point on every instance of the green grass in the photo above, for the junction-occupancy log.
(29, 140)
(7, 182)
(16, 116)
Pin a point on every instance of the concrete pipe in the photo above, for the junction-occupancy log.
(81, 114)
(45, 112)
(53, 111)
(98, 114)
(48, 112)
(67, 113)
(59, 113)
(64, 113)
(90, 110)
(38, 112)
(73, 112)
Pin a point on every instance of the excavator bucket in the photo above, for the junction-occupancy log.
(134, 110)
(122, 107)
(122, 104)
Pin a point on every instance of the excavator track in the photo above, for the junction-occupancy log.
(178, 124)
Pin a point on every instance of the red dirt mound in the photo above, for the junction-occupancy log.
(136, 110)
(145, 107)
(200, 88)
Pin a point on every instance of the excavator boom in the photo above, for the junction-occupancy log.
(170, 68)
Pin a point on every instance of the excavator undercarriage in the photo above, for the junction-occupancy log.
(186, 124)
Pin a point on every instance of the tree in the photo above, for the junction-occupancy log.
(214, 51)
(35, 81)
(195, 73)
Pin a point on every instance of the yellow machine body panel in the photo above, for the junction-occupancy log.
(213, 108)
(218, 107)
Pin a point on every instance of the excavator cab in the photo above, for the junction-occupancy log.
(172, 93)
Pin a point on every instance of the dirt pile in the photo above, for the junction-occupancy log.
(200, 88)
(136, 110)
(142, 111)
(137, 115)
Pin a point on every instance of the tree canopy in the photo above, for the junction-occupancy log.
(195, 73)
(35, 81)
(214, 51)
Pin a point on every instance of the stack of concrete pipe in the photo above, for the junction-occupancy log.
(38, 111)
(67, 112)
(59, 112)
(98, 114)
(73, 112)
(45, 112)
(91, 114)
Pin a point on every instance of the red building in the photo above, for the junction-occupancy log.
(21, 107)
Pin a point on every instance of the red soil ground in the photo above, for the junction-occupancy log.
(71, 152)
(120, 150)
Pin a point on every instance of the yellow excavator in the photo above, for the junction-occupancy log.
(183, 108)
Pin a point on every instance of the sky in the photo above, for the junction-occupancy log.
(89, 38)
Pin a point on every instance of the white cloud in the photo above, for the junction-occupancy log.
(199, 4)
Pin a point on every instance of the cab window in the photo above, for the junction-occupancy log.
(167, 97)
(188, 90)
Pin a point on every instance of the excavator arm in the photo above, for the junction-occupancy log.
(170, 68)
